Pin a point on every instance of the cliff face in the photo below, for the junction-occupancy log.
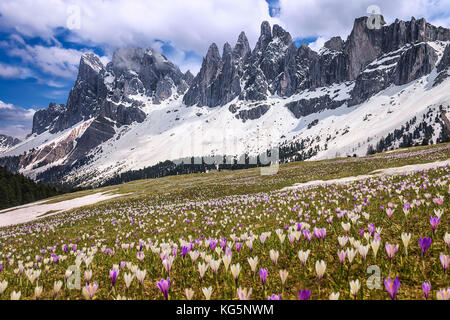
(276, 66)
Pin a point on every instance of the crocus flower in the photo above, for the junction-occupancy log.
(89, 290)
(243, 294)
(389, 212)
(304, 294)
(113, 274)
(235, 271)
(434, 221)
(184, 251)
(392, 287)
(425, 244)
(164, 287)
(207, 292)
(212, 244)
(342, 254)
(334, 296)
(443, 294)
(391, 249)
(320, 269)
(37, 292)
(283, 275)
(354, 287)
(426, 288)
(189, 293)
(274, 297)
(445, 261)
(447, 239)
(140, 276)
(263, 273)
(303, 256)
(140, 255)
(15, 295)
(253, 263)
(274, 256)
(406, 238)
(3, 286)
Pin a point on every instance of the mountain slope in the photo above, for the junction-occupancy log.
(7, 142)
(390, 84)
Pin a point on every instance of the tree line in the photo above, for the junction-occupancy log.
(16, 189)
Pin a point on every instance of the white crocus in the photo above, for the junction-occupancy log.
(207, 292)
(406, 238)
(354, 287)
(320, 268)
(303, 256)
(253, 262)
(334, 296)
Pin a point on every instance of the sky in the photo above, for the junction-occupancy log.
(41, 41)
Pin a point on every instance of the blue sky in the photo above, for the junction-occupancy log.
(39, 53)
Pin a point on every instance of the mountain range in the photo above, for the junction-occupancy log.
(377, 90)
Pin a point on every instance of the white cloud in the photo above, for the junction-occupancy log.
(53, 61)
(15, 121)
(9, 72)
(17, 131)
(316, 45)
(327, 18)
(188, 25)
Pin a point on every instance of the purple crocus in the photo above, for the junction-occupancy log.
(113, 274)
(263, 273)
(1, 267)
(434, 221)
(426, 288)
(238, 246)
(425, 244)
(184, 251)
(212, 244)
(274, 297)
(392, 287)
(164, 286)
(371, 228)
(223, 243)
(304, 294)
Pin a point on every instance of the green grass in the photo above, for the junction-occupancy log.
(244, 204)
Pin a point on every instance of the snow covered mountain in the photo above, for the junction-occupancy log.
(379, 89)
(6, 142)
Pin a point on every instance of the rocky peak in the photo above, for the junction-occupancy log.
(7, 142)
(335, 44)
(227, 50)
(362, 46)
(265, 37)
(188, 77)
(201, 92)
(280, 33)
(242, 47)
(45, 119)
(89, 63)
(213, 54)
